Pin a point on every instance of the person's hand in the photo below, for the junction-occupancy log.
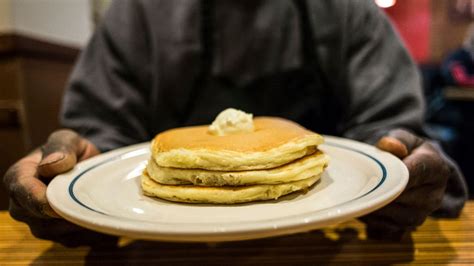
(26, 183)
(429, 173)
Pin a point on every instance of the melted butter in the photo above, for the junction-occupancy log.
(231, 121)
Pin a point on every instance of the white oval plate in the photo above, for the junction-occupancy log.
(104, 194)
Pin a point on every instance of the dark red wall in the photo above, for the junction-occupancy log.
(412, 20)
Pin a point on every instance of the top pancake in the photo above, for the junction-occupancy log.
(274, 142)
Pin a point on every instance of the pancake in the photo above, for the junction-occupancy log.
(299, 169)
(222, 195)
(234, 160)
(274, 142)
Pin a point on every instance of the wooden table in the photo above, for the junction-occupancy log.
(440, 241)
(459, 93)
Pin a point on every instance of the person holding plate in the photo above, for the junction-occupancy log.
(335, 67)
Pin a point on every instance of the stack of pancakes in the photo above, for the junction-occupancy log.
(190, 165)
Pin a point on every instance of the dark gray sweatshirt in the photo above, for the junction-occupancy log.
(150, 67)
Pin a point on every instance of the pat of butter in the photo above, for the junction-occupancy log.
(231, 121)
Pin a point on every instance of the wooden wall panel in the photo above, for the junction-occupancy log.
(12, 135)
(9, 78)
(33, 75)
(43, 83)
(447, 33)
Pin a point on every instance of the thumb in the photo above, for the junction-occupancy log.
(399, 142)
(62, 151)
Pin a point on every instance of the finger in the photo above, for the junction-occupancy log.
(26, 189)
(408, 210)
(426, 166)
(383, 231)
(427, 204)
(410, 140)
(383, 228)
(58, 230)
(62, 151)
(394, 146)
(394, 221)
(406, 216)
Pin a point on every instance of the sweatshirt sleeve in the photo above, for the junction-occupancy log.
(106, 97)
(385, 91)
(384, 85)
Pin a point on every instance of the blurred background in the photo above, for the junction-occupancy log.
(40, 41)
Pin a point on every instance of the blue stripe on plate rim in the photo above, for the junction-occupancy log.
(74, 181)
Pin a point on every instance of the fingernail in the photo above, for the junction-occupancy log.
(48, 211)
(52, 158)
(393, 146)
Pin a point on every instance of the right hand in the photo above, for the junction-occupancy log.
(26, 183)
(429, 172)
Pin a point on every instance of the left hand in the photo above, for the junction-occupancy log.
(424, 192)
(26, 182)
